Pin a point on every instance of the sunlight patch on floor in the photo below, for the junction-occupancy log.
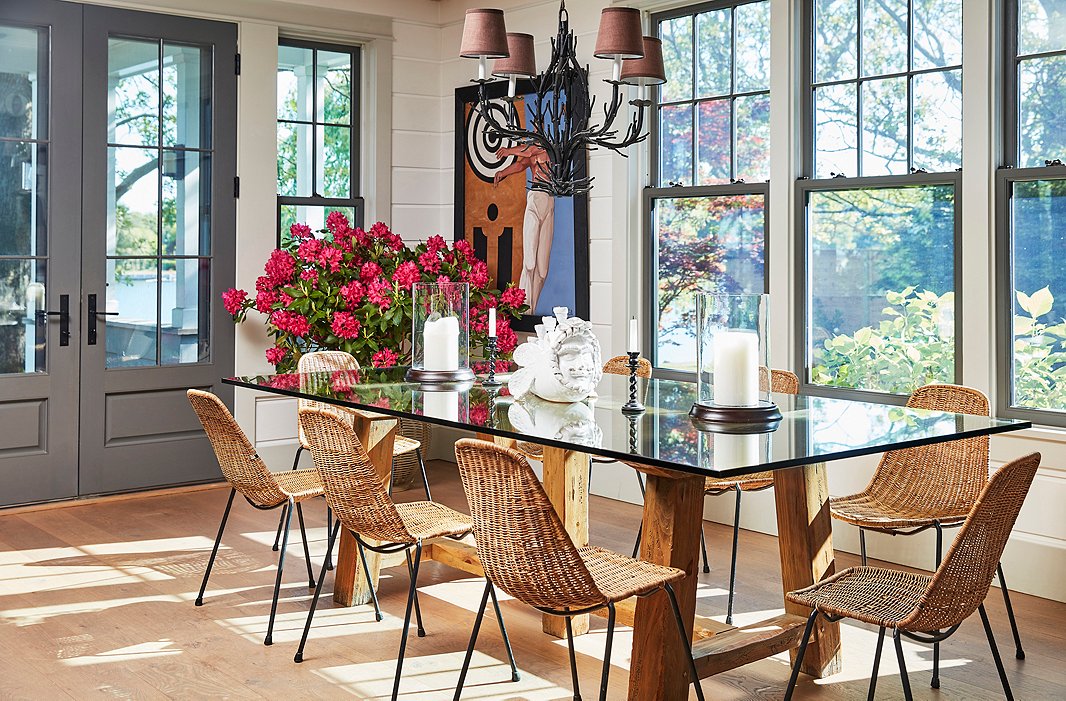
(39, 614)
(141, 651)
(328, 623)
(464, 593)
(860, 644)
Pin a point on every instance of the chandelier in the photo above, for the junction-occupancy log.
(559, 131)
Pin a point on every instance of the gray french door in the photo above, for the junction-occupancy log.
(118, 239)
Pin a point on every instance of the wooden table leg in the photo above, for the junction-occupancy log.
(673, 513)
(805, 538)
(377, 433)
(566, 481)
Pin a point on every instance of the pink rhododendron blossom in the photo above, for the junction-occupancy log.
(436, 244)
(384, 358)
(265, 300)
(344, 325)
(310, 275)
(300, 231)
(406, 275)
(308, 250)
(379, 293)
(430, 262)
(513, 297)
(280, 268)
(370, 271)
(331, 258)
(353, 293)
(337, 222)
(275, 355)
(233, 300)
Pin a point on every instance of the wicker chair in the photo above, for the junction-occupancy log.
(334, 361)
(526, 551)
(263, 489)
(361, 504)
(932, 486)
(928, 608)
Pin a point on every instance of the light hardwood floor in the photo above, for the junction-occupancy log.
(96, 602)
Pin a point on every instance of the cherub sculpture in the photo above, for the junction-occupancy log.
(562, 364)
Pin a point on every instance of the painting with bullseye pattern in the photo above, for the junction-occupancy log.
(527, 237)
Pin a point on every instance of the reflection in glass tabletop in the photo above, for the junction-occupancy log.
(814, 429)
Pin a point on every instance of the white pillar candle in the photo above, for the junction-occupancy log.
(441, 405)
(735, 450)
(736, 368)
(440, 343)
(492, 322)
(634, 343)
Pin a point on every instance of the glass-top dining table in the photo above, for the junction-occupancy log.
(676, 457)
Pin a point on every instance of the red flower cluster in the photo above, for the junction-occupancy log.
(384, 358)
(345, 325)
(233, 300)
(406, 275)
(275, 355)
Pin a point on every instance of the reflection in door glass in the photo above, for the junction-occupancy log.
(23, 83)
(186, 96)
(131, 295)
(186, 305)
(133, 202)
(22, 330)
(133, 80)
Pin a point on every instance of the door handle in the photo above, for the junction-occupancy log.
(64, 319)
(90, 332)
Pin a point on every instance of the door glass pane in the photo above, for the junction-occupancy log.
(186, 210)
(714, 39)
(1041, 118)
(23, 199)
(714, 149)
(938, 121)
(753, 46)
(937, 33)
(295, 83)
(133, 87)
(132, 293)
(1041, 26)
(677, 57)
(186, 302)
(133, 202)
(334, 76)
(836, 131)
(753, 138)
(22, 332)
(23, 81)
(335, 159)
(186, 96)
(675, 132)
(836, 28)
(294, 159)
(884, 127)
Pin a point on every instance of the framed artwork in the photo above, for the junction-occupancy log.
(528, 237)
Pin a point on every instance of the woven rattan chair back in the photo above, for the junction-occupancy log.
(236, 455)
(619, 365)
(940, 480)
(323, 362)
(781, 381)
(962, 580)
(520, 540)
(354, 489)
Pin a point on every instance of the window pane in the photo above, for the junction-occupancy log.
(185, 285)
(133, 202)
(714, 148)
(294, 160)
(335, 154)
(334, 75)
(937, 33)
(881, 287)
(1041, 26)
(23, 199)
(836, 131)
(186, 96)
(1039, 291)
(753, 138)
(23, 83)
(132, 293)
(884, 127)
(312, 215)
(295, 83)
(714, 36)
(884, 37)
(938, 121)
(675, 145)
(677, 57)
(836, 28)
(133, 80)
(712, 244)
(186, 211)
(1041, 110)
(753, 46)
(22, 333)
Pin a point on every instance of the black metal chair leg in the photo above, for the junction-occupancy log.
(473, 639)
(684, 639)
(995, 653)
(269, 640)
(281, 522)
(604, 677)
(307, 553)
(299, 657)
(794, 677)
(418, 609)
(898, 641)
(935, 681)
(1018, 651)
(636, 543)
(369, 581)
(411, 594)
(573, 658)
(515, 676)
(281, 519)
(733, 560)
(425, 479)
(214, 550)
(329, 529)
(862, 545)
(877, 663)
(703, 547)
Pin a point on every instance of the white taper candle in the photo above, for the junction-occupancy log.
(634, 337)
(492, 322)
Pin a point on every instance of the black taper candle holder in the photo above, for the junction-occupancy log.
(490, 351)
(633, 406)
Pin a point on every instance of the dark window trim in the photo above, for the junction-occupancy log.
(355, 200)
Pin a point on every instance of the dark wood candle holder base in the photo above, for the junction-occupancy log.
(763, 418)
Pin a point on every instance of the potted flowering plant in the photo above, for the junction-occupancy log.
(349, 289)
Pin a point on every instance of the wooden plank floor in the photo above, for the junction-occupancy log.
(96, 602)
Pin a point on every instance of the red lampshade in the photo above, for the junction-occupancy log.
(648, 70)
(521, 63)
(620, 34)
(484, 34)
